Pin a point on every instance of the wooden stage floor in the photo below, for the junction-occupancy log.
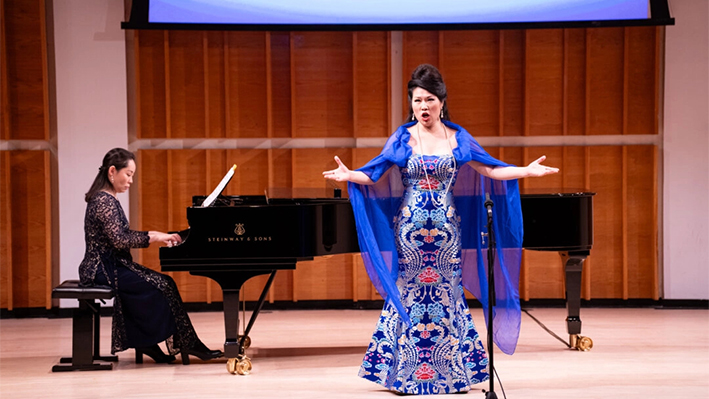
(638, 353)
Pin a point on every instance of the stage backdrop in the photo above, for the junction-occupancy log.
(282, 104)
(206, 100)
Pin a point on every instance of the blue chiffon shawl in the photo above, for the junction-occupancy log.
(376, 205)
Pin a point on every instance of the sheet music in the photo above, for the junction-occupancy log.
(220, 187)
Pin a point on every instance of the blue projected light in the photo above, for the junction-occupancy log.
(391, 12)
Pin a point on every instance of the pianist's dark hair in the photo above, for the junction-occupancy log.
(428, 77)
(117, 157)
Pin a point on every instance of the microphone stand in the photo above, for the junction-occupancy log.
(491, 301)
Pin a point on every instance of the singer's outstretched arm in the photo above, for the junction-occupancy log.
(534, 169)
(343, 173)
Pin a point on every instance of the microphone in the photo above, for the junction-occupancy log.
(488, 205)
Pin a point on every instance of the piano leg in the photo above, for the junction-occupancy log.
(235, 346)
(573, 266)
(231, 322)
(234, 350)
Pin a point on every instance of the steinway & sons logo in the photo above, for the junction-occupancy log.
(239, 231)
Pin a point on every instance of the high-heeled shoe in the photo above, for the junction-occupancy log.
(155, 353)
(201, 351)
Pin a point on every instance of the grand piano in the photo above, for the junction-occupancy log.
(562, 221)
(240, 237)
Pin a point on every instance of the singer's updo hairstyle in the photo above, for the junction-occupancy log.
(428, 77)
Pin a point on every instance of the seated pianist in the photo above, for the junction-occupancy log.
(147, 308)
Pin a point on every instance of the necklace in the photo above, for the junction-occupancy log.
(428, 182)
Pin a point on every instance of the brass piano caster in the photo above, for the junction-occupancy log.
(580, 343)
(240, 365)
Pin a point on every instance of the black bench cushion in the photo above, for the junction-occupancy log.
(74, 290)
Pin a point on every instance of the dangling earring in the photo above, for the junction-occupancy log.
(413, 118)
(441, 114)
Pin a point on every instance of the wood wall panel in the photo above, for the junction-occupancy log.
(573, 168)
(308, 165)
(363, 288)
(544, 82)
(641, 231)
(606, 270)
(26, 242)
(512, 57)
(186, 84)
(251, 290)
(187, 176)
(28, 198)
(6, 279)
(188, 171)
(371, 84)
(246, 84)
(511, 155)
(642, 80)
(280, 91)
(323, 85)
(282, 288)
(575, 81)
(361, 156)
(251, 176)
(604, 67)
(153, 205)
(4, 79)
(324, 277)
(215, 110)
(543, 275)
(217, 165)
(150, 74)
(24, 68)
(281, 164)
(471, 63)
(572, 81)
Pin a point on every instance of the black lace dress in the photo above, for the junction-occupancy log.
(148, 308)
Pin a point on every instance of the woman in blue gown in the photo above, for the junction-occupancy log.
(419, 234)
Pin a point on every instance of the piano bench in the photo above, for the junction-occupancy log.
(86, 329)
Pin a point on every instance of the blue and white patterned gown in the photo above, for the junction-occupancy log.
(441, 352)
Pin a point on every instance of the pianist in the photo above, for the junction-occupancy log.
(148, 308)
(420, 248)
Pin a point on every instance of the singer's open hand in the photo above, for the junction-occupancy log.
(536, 169)
(342, 173)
